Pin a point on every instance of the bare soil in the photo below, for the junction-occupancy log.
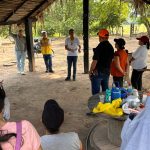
(27, 94)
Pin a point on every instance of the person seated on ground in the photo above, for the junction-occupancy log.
(52, 118)
(11, 137)
(120, 63)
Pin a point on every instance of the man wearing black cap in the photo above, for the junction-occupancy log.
(120, 63)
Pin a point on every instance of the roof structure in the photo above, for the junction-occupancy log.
(16, 11)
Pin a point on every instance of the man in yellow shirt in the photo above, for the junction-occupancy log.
(47, 52)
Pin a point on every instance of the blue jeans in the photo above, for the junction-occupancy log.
(20, 55)
(48, 62)
(99, 80)
(72, 60)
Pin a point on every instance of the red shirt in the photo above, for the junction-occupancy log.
(123, 56)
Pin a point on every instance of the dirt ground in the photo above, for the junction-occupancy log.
(27, 94)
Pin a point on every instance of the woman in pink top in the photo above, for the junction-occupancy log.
(30, 138)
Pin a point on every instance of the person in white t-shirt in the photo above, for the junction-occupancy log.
(72, 45)
(52, 118)
(139, 62)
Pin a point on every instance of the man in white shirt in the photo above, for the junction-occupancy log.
(72, 45)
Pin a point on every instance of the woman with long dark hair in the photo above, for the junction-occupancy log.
(13, 138)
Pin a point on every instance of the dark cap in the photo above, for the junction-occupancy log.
(20, 30)
(71, 30)
(121, 42)
(143, 39)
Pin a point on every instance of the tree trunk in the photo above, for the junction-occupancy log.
(147, 25)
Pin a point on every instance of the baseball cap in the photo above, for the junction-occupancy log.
(120, 41)
(143, 39)
(103, 33)
(43, 32)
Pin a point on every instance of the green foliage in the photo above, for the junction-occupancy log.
(4, 31)
(66, 14)
(107, 14)
(141, 15)
(60, 18)
(103, 14)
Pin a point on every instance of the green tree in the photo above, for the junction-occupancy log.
(103, 14)
(141, 13)
(61, 18)
(107, 14)
(145, 18)
(4, 31)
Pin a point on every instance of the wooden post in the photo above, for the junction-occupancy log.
(131, 29)
(122, 31)
(86, 35)
(29, 40)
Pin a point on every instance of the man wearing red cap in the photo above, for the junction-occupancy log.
(139, 62)
(100, 66)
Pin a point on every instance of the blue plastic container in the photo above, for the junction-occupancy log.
(124, 93)
(115, 93)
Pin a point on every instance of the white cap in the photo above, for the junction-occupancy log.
(43, 31)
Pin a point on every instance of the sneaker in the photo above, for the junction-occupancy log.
(18, 72)
(51, 71)
(67, 79)
(22, 73)
(74, 79)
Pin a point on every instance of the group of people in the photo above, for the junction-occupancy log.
(72, 45)
(106, 62)
(23, 136)
(21, 50)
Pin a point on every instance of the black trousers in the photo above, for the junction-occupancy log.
(118, 81)
(72, 60)
(136, 79)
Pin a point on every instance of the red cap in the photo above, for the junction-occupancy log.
(103, 33)
(143, 39)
